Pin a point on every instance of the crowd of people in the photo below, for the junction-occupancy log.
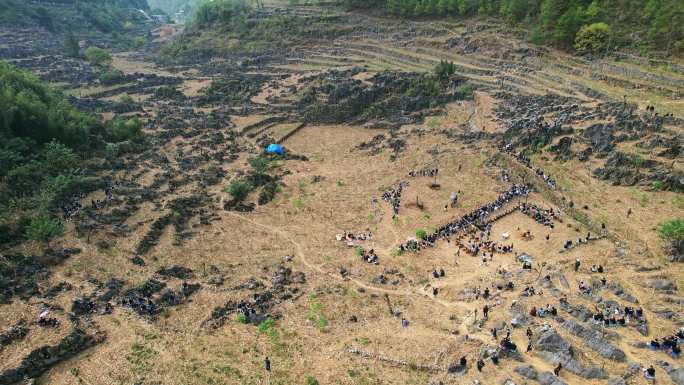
(525, 161)
(393, 196)
(477, 216)
(541, 312)
(73, 205)
(368, 256)
(540, 215)
(670, 344)
(614, 316)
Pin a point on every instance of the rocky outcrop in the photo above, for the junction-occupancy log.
(594, 340)
(40, 360)
(554, 349)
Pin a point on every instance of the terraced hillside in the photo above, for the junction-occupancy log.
(453, 206)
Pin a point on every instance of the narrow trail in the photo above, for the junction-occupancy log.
(467, 308)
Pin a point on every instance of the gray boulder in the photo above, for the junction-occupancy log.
(544, 378)
(551, 341)
(663, 284)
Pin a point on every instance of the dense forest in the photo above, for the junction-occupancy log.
(587, 25)
(45, 147)
(106, 16)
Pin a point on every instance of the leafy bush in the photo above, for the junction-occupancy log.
(311, 380)
(97, 56)
(593, 38)
(444, 69)
(122, 129)
(268, 192)
(421, 234)
(672, 231)
(267, 327)
(126, 99)
(167, 92)
(110, 77)
(43, 229)
(260, 164)
(239, 189)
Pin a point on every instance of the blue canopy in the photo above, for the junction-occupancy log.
(275, 149)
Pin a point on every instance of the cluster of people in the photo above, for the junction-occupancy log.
(507, 343)
(350, 238)
(618, 317)
(368, 257)
(543, 311)
(72, 206)
(476, 216)
(525, 161)
(669, 344)
(424, 172)
(540, 215)
(244, 308)
(45, 321)
(393, 196)
(549, 181)
(584, 288)
(528, 291)
(438, 273)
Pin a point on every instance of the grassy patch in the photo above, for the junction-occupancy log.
(141, 357)
(314, 315)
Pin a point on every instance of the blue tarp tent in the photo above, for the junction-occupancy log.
(275, 149)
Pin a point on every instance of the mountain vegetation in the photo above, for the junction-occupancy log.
(588, 25)
(44, 147)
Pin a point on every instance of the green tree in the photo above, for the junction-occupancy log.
(443, 7)
(593, 38)
(43, 229)
(71, 47)
(568, 25)
(98, 56)
(666, 24)
(453, 7)
(514, 11)
(58, 158)
(551, 11)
